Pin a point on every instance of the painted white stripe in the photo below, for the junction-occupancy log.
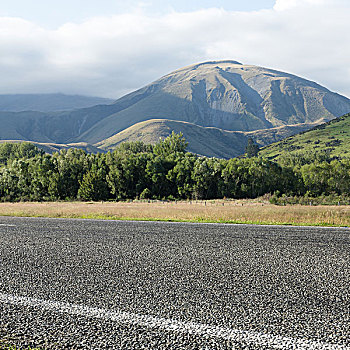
(7, 225)
(204, 330)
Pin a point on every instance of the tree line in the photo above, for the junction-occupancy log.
(135, 170)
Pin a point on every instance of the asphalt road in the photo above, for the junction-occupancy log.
(88, 284)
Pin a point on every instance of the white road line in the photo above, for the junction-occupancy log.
(7, 225)
(204, 330)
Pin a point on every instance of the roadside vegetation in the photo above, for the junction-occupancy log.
(165, 171)
(258, 211)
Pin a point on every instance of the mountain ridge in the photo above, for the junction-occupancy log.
(48, 102)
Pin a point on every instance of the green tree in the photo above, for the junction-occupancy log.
(180, 176)
(93, 186)
(157, 171)
(252, 148)
(70, 166)
(174, 143)
(11, 151)
(207, 178)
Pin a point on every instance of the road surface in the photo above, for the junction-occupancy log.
(90, 284)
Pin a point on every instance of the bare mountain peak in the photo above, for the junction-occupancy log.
(219, 64)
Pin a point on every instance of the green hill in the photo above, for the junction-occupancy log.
(332, 137)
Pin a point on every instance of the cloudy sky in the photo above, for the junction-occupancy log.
(111, 47)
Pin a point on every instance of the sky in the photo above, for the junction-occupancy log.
(111, 47)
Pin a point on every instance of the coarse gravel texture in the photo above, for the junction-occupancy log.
(286, 281)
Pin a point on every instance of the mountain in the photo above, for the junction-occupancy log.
(223, 143)
(205, 101)
(48, 102)
(332, 137)
(226, 95)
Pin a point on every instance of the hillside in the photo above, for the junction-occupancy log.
(332, 137)
(53, 127)
(223, 143)
(48, 102)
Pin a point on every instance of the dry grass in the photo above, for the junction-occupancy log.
(209, 211)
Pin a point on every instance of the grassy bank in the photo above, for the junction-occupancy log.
(242, 211)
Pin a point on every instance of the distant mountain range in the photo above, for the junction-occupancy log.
(217, 106)
(48, 102)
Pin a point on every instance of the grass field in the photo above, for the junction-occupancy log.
(242, 211)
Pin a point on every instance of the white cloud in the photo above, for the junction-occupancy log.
(282, 5)
(110, 56)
